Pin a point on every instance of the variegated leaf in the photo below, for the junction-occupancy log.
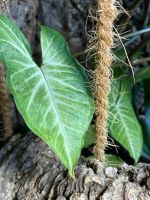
(123, 124)
(54, 99)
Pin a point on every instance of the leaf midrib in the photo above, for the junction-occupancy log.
(57, 113)
(117, 102)
(129, 141)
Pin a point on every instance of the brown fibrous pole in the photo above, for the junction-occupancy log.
(106, 14)
(5, 105)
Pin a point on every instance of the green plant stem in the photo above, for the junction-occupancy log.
(138, 32)
(141, 60)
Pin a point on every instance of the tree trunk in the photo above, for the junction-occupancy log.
(28, 169)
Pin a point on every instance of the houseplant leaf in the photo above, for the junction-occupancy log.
(90, 136)
(113, 160)
(145, 121)
(123, 124)
(53, 99)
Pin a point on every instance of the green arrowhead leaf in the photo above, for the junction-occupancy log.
(90, 136)
(113, 160)
(123, 124)
(53, 99)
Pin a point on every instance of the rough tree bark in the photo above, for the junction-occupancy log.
(28, 169)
